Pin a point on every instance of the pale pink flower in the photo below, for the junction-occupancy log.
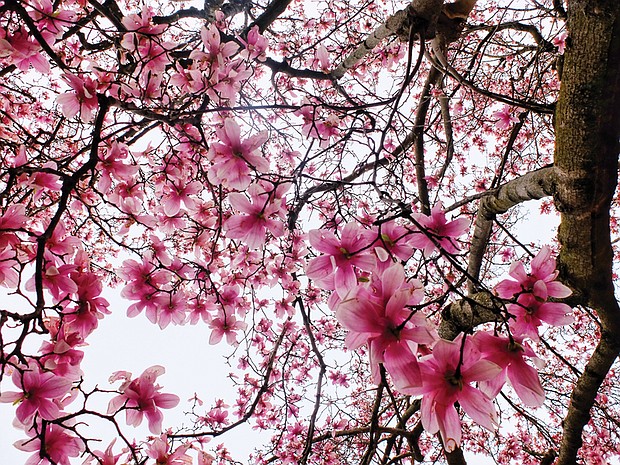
(40, 393)
(505, 118)
(560, 42)
(59, 445)
(341, 256)
(188, 80)
(8, 275)
(264, 213)
(322, 57)
(509, 354)
(255, 45)
(142, 397)
(143, 22)
(82, 99)
(437, 231)
(177, 192)
(445, 381)
(217, 53)
(377, 315)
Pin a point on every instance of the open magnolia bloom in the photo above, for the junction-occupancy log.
(376, 314)
(445, 377)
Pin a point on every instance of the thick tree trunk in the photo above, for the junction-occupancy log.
(586, 161)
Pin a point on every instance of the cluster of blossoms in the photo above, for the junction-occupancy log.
(381, 309)
(206, 213)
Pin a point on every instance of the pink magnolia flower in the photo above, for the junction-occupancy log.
(509, 354)
(158, 449)
(255, 45)
(322, 57)
(392, 241)
(258, 216)
(59, 445)
(225, 325)
(533, 291)
(530, 312)
(505, 119)
(13, 219)
(179, 191)
(217, 53)
(540, 282)
(91, 307)
(24, 51)
(341, 256)
(173, 310)
(49, 19)
(104, 458)
(189, 80)
(111, 165)
(57, 280)
(40, 393)
(233, 158)
(444, 381)
(560, 42)
(377, 315)
(8, 275)
(142, 397)
(82, 99)
(143, 22)
(441, 231)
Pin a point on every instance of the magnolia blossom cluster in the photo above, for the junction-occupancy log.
(380, 308)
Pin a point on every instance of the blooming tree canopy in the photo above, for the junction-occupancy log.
(333, 190)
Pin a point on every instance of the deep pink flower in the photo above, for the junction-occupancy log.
(376, 315)
(541, 281)
(340, 256)
(40, 393)
(392, 241)
(533, 291)
(443, 381)
(233, 158)
(59, 445)
(531, 311)
(91, 307)
(104, 458)
(142, 397)
(442, 232)
(505, 119)
(510, 356)
(225, 325)
(158, 449)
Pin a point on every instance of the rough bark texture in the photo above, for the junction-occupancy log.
(586, 160)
